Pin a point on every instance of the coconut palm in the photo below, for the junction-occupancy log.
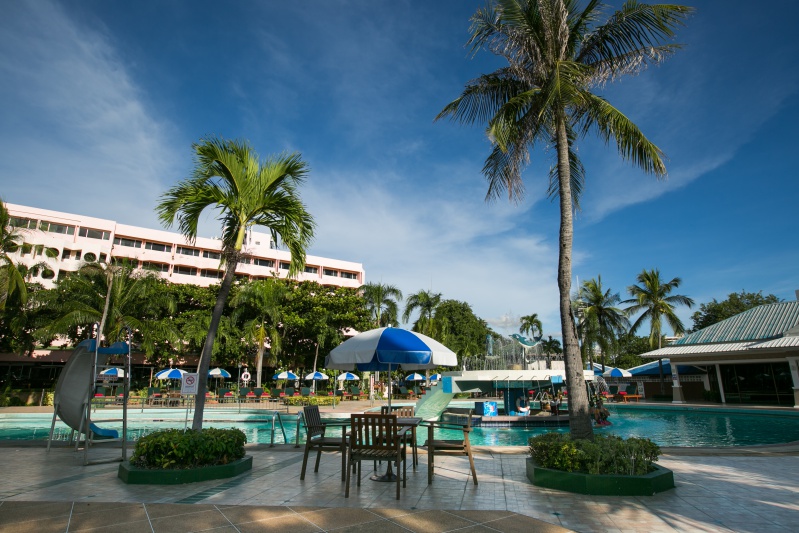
(558, 54)
(530, 324)
(263, 300)
(229, 176)
(603, 322)
(551, 347)
(12, 280)
(381, 302)
(653, 296)
(426, 302)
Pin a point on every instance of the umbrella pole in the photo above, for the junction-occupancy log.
(390, 384)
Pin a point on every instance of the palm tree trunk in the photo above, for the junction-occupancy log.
(259, 363)
(205, 356)
(579, 416)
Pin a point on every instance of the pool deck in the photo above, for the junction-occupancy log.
(744, 490)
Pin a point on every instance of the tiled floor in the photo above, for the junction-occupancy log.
(41, 492)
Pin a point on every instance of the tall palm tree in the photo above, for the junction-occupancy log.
(263, 302)
(12, 280)
(229, 176)
(551, 347)
(653, 296)
(530, 324)
(381, 302)
(558, 54)
(426, 302)
(604, 322)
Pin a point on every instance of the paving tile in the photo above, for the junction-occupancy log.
(334, 518)
(283, 524)
(44, 525)
(163, 510)
(201, 521)
(244, 513)
(431, 522)
(21, 511)
(99, 518)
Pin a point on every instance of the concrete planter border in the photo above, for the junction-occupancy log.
(662, 479)
(135, 475)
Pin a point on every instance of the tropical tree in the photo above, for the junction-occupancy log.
(426, 302)
(558, 54)
(603, 322)
(12, 279)
(653, 299)
(381, 301)
(263, 301)
(530, 324)
(714, 311)
(551, 347)
(229, 176)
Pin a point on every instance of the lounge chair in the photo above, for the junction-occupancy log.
(630, 393)
(243, 392)
(315, 439)
(376, 437)
(289, 391)
(448, 447)
(257, 394)
(223, 395)
(355, 392)
(154, 396)
(274, 394)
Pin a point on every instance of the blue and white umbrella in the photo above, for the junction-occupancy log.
(170, 373)
(291, 376)
(414, 377)
(316, 376)
(219, 373)
(435, 377)
(348, 376)
(616, 373)
(113, 372)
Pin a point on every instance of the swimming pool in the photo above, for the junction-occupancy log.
(665, 425)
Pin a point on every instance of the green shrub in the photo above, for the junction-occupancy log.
(603, 455)
(176, 448)
(310, 400)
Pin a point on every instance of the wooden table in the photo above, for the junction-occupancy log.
(627, 397)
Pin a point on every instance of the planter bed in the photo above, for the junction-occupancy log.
(660, 480)
(154, 476)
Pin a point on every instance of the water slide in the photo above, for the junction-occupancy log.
(75, 384)
(433, 402)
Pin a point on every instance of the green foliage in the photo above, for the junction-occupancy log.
(311, 400)
(736, 303)
(460, 329)
(603, 455)
(175, 448)
(711, 396)
(629, 350)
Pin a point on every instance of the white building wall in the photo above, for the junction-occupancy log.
(71, 237)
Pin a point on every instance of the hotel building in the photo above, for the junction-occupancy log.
(64, 241)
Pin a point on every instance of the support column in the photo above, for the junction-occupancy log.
(721, 385)
(676, 388)
(793, 363)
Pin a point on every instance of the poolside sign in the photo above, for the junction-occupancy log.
(189, 384)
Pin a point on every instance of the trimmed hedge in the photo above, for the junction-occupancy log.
(177, 448)
(309, 400)
(603, 455)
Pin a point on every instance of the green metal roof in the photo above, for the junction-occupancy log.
(762, 322)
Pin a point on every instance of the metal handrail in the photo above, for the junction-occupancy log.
(276, 415)
(300, 416)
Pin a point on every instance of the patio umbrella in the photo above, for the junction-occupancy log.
(616, 373)
(170, 373)
(291, 376)
(113, 372)
(316, 376)
(348, 376)
(435, 377)
(384, 349)
(414, 377)
(219, 373)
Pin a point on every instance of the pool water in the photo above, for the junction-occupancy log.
(665, 426)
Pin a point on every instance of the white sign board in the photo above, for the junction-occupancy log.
(189, 384)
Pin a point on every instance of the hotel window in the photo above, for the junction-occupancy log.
(217, 274)
(158, 267)
(312, 270)
(329, 272)
(186, 271)
(284, 266)
(130, 243)
(103, 258)
(264, 263)
(66, 253)
(90, 257)
(94, 234)
(194, 252)
(52, 227)
(22, 222)
(211, 255)
(158, 247)
(349, 275)
(245, 261)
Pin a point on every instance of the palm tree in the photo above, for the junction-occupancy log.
(426, 302)
(551, 347)
(530, 324)
(12, 280)
(229, 176)
(557, 54)
(263, 301)
(603, 322)
(654, 298)
(381, 302)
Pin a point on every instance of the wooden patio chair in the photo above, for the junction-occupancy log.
(376, 437)
(405, 411)
(315, 439)
(448, 447)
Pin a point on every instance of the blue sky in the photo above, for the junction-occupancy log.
(100, 102)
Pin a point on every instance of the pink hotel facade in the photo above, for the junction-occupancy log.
(65, 241)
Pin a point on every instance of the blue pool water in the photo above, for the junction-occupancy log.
(665, 426)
